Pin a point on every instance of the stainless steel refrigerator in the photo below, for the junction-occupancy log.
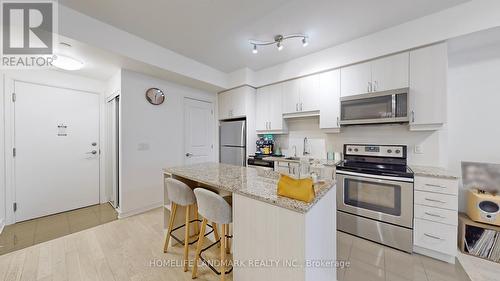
(232, 138)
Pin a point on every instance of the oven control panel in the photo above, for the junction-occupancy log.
(397, 151)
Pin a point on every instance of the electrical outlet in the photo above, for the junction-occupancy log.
(419, 149)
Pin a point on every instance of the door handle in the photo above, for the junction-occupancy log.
(94, 152)
(189, 154)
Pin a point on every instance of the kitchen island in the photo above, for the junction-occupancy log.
(274, 238)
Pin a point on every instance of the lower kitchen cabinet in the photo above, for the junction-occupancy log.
(436, 218)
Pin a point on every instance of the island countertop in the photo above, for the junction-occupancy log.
(254, 183)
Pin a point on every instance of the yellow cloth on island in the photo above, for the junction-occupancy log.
(299, 189)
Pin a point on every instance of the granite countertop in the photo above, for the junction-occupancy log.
(429, 171)
(255, 183)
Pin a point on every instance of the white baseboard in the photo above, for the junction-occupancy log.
(2, 225)
(434, 254)
(141, 210)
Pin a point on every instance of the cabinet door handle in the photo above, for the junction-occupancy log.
(434, 200)
(413, 116)
(270, 125)
(434, 215)
(300, 106)
(296, 107)
(375, 86)
(369, 87)
(338, 122)
(433, 237)
(435, 185)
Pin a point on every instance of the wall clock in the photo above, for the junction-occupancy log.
(155, 96)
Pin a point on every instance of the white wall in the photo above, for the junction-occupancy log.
(47, 77)
(152, 138)
(474, 105)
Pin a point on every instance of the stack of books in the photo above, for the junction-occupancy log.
(486, 246)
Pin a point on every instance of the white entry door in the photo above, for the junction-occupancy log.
(198, 131)
(57, 150)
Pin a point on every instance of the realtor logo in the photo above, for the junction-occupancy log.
(28, 33)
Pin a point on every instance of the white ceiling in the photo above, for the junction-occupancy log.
(216, 32)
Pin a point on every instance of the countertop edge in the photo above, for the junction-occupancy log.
(261, 199)
(433, 171)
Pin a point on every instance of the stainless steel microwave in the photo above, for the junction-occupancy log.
(375, 108)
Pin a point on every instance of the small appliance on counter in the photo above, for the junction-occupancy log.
(483, 183)
(265, 145)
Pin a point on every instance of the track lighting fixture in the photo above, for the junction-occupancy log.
(278, 41)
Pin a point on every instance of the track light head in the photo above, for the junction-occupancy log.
(304, 42)
(280, 46)
(254, 50)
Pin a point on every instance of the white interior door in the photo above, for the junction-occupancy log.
(57, 150)
(199, 130)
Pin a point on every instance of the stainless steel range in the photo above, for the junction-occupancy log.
(375, 194)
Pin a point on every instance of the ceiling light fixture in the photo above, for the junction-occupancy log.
(67, 63)
(278, 41)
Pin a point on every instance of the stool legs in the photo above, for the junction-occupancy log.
(228, 243)
(199, 246)
(216, 231)
(196, 217)
(223, 253)
(186, 239)
(173, 211)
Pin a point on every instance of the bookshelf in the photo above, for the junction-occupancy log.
(482, 239)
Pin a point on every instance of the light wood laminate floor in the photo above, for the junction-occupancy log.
(132, 249)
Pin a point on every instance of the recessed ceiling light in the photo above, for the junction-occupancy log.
(67, 63)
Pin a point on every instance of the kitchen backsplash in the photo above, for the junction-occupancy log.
(424, 148)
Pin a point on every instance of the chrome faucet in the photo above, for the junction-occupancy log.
(305, 152)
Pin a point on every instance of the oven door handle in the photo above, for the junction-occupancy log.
(388, 178)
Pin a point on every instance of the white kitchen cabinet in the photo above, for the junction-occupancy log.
(233, 103)
(309, 93)
(329, 88)
(291, 96)
(390, 72)
(428, 87)
(436, 217)
(269, 109)
(382, 74)
(356, 79)
(301, 95)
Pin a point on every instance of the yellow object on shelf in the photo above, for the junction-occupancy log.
(299, 189)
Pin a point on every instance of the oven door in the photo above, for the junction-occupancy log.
(383, 198)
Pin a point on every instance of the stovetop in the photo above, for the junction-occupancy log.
(383, 169)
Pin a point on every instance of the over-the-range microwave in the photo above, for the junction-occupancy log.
(375, 108)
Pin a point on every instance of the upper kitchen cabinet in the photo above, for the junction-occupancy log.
(390, 73)
(428, 80)
(382, 74)
(269, 110)
(301, 95)
(329, 116)
(236, 103)
(356, 79)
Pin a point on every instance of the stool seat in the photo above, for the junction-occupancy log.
(179, 192)
(213, 207)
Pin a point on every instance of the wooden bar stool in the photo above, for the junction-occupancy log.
(215, 208)
(180, 194)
